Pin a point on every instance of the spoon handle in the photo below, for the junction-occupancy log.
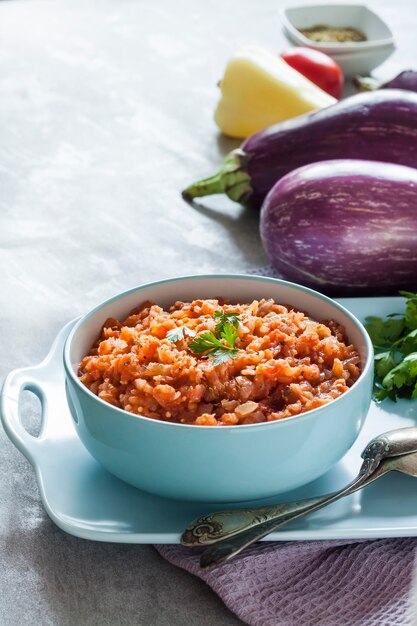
(214, 527)
(232, 545)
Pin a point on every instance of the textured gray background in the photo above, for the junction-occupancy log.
(105, 114)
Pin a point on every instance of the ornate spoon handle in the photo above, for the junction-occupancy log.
(231, 546)
(216, 526)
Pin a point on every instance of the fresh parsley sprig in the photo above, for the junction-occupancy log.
(220, 348)
(395, 343)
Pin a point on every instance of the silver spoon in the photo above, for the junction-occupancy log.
(222, 524)
(225, 524)
(227, 548)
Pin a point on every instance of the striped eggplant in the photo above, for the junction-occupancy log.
(344, 227)
(379, 126)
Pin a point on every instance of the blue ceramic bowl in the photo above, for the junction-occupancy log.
(217, 463)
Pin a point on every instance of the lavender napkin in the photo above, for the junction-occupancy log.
(315, 583)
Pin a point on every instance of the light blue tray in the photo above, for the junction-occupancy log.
(85, 500)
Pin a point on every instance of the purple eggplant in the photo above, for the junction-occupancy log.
(344, 227)
(379, 126)
(405, 80)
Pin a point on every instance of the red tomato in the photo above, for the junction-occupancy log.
(317, 67)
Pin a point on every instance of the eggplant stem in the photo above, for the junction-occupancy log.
(366, 83)
(232, 179)
(205, 187)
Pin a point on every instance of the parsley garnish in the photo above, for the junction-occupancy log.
(176, 334)
(395, 343)
(220, 348)
(225, 318)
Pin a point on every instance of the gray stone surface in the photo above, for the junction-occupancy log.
(105, 114)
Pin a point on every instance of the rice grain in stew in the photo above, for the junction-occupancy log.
(284, 363)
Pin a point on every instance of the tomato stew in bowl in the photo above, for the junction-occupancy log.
(211, 363)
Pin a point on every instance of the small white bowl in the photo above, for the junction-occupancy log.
(361, 63)
(353, 57)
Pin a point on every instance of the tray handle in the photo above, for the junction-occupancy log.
(39, 379)
(17, 381)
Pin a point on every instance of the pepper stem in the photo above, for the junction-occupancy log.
(232, 179)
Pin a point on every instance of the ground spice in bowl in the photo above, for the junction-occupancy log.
(331, 34)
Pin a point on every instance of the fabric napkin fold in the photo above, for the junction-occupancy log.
(314, 583)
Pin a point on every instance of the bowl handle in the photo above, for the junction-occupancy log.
(36, 379)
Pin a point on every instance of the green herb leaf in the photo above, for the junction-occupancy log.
(384, 332)
(408, 343)
(395, 342)
(381, 393)
(204, 342)
(176, 334)
(225, 318)
(408, 294)
(229, 334)
(221, 356)
(410, 309)
(403, 376)
(384, 362)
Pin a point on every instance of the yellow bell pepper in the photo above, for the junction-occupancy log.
(260, 89)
